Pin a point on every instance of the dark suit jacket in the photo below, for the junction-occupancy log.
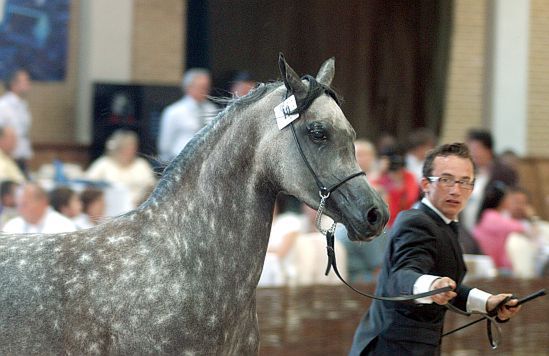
(419, 243)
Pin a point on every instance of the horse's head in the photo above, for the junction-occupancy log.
(325, 138)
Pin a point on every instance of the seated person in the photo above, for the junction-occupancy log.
(398, 185)
(93, 208)
(8, 207)
(286, 227)
(495, 225)
(66, 201)
(121, 165)
(36, 215)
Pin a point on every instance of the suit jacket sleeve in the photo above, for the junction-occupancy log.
(418, 246)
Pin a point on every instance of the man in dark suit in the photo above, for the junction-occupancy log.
(424, 254)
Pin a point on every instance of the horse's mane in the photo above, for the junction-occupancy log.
(179, 163)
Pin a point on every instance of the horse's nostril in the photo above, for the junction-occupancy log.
(373, 217)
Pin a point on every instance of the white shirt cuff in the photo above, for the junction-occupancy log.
(422, 285)
(476, 300)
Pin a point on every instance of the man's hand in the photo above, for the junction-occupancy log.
(505, 311)
(443, 298)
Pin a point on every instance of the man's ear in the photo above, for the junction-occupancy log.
(425, 186)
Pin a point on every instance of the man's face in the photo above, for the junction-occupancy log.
(517, 205)
(482, 156)
(30, 207)
(199, 88)
(450, 201)
(365, 156)
(21, 84)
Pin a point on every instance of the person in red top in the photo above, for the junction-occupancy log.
(397, 184)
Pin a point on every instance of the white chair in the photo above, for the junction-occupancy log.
(309, 261)
(479, 266)
(522, 253)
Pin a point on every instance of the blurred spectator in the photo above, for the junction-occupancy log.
(488, 171)
(14, 112)
(385, 141)
(121, 166)
(9, 170)
(308, 257)
(184, 118)
(529, 252)
(420, 141)
(93, 208)
(66, 201)
(8, 207)
(510, 159)
(286, 227)
(241, 84)
(36, 216)
(366, 157)
(398, 185)
(496, 224)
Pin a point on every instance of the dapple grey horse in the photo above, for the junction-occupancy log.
(178, 274)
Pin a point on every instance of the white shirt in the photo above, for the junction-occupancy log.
(14, 112)
(414, 165)
(52, 222)
(180, 122)
(476, 300)
(138, 177)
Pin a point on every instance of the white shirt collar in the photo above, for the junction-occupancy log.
(442, 216)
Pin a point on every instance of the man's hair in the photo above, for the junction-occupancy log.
(191, 74)
(482, 136)
(458, 149)
(88, 196)
(60, 197)
(420, 137)
(7, 187)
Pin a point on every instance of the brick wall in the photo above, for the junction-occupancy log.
(465, 90)
(538, 80)
(158, 41)
(53, 104)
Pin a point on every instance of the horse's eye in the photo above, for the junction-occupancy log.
(317, 132)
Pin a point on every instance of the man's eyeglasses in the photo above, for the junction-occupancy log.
(449, 182)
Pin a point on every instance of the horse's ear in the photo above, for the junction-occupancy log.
(326, 72)
(291, 79)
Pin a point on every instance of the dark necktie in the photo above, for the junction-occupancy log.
(455, 227)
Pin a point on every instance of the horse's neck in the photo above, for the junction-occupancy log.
(221, 193)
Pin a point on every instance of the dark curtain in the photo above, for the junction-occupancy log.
(198, 30)
(391, 56)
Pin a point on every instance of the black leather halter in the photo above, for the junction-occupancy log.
(324, 193)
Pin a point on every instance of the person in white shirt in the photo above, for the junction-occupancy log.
(14, 112)
(122, 166)
(420, 141)
(181, 120)
(36, 216)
